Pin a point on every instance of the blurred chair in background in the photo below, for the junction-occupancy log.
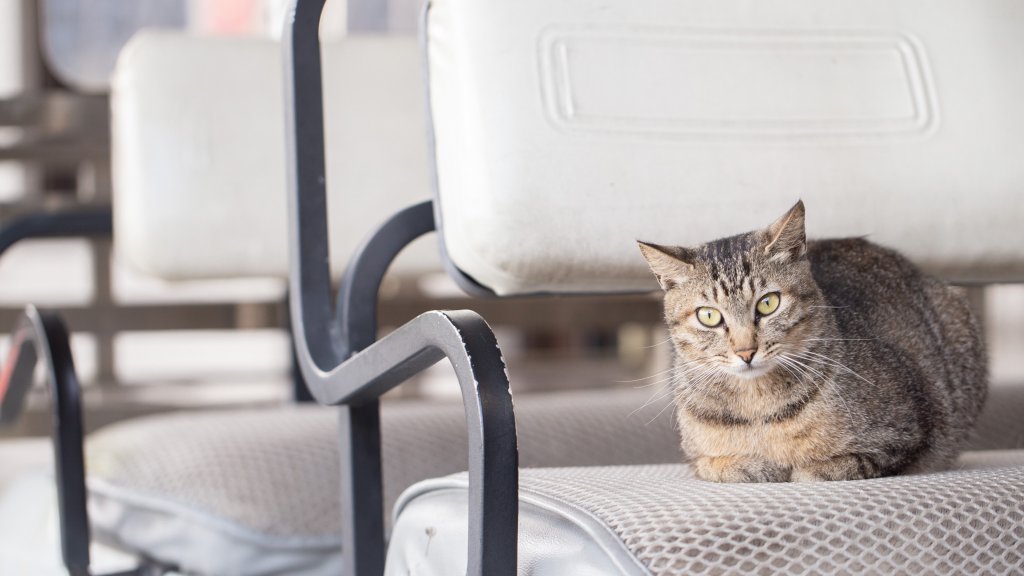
(199, 186)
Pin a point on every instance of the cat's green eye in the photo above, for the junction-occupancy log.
(768, 303)
(709, 316)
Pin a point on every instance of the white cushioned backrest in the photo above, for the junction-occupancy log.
(565, 129)
(199, 153)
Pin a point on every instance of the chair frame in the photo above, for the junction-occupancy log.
(343, 365)
(43, 336)
(337, 351)
(336, 348)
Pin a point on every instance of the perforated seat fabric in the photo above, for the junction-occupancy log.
(216, 492)
(565, 130)
(661, 520)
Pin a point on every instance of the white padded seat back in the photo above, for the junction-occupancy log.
(566, 129)
(199, 151)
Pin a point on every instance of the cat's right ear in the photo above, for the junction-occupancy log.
(786, 237)
(672, 265)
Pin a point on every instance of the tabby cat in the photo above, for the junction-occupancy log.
(823, 360)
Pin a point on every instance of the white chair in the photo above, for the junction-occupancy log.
(199, 152)
(198, 137)
(565, 130)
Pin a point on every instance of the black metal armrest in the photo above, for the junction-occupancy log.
(43, 336)
(63, 224)
(343, 365)
(468, 343)
(40, 333)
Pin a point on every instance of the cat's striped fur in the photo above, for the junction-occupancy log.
(867, 367)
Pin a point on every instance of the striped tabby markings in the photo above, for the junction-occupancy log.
(806, 435)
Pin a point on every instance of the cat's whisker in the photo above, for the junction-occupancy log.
(690, 367)
(821, 364)
(692, 374)
(826, 380)
(660, 412)
(642, 386)
(789, 370)
(825, 359)
(652, 420)
(668, 391)
(661, 395)
(649, 384)
(656, 374)
(803, 375)
(656, 344)
(662, 381)
(792, 357)
(701, 373)
(695, 382)
(835, 387)
(672, 378)
(801, 372)
(702, 379)
(800, 377)
(838, 339)
(642, 378)
(648, 402)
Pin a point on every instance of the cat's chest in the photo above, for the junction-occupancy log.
(810, 436)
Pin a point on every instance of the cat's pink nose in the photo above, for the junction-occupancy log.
(747, 355)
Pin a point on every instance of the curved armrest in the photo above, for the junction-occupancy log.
(468, 343)
(342, 365)
(43, 336)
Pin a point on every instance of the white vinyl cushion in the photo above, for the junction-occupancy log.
(566, 129)
(199, 151)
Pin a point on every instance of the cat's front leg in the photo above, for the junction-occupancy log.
(844, 467)
(739, 469)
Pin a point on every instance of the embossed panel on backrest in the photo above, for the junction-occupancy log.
(565, 129)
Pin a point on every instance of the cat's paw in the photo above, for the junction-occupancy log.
(845, 467)
(739, 469)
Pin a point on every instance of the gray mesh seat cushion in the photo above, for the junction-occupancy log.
(256, 491)
(662, 520)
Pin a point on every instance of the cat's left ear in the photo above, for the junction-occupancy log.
(672, 265)
(787, 239)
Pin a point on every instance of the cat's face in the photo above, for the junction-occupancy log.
(735, 306)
